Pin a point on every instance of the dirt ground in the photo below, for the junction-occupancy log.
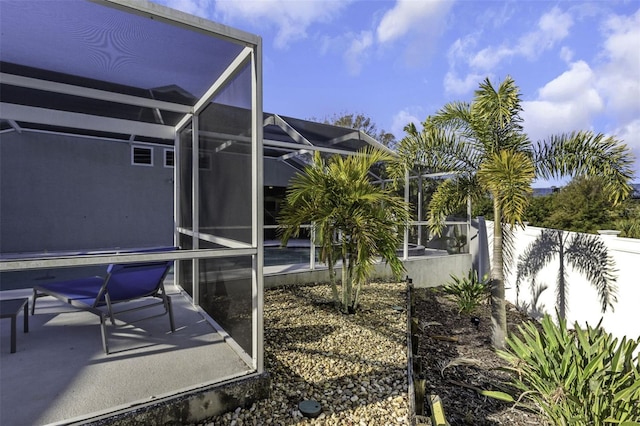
(457, 359)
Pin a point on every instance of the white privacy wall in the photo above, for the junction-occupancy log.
(583, 303)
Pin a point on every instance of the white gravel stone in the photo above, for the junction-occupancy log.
(353, 365)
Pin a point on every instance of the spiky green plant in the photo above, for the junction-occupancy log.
(576, 377)
(468, 292)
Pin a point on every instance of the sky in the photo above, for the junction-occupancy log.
(577, 63)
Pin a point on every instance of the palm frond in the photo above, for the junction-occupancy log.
(587, 154)
(508, 176)
(454, 116)
(501, 107)
(448, 198)
(432, 150)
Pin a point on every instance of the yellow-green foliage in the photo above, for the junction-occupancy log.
(577, 377)
(468, 292)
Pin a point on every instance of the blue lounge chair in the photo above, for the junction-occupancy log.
(123, 283)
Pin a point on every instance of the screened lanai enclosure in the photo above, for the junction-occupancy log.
(130, 133)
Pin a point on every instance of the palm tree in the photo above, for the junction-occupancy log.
(484, 142)
(583, 252)
(355, 220)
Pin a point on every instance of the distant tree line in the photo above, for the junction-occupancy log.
(360, 122)
(581, 206)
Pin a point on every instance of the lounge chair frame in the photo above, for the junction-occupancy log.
(98, 295)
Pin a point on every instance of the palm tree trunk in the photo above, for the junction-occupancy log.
(346, 290)
(332, 280)
(350, 266)
(498, 310)
(356, 296)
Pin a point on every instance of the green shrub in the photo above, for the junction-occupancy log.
(579, 377)
(467, 292)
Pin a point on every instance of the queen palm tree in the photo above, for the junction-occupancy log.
(485, 144)
(583, 252)
(355, 220)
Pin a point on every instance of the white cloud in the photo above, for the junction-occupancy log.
(630, 134)
(570, 84)
(566, 54)
(565, 104)
(409, 15)
(605, 94)
(459, 49)
(400, 120)
(201, 8)
(291, 18)
(553, 27)
(459, 86)
(489, 57)
(619, 77)
(357, 51)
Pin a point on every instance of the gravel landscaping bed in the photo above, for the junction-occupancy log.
(355, 366)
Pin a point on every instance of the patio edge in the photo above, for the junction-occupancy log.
(191, 407)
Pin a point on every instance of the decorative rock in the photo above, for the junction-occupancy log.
(352, 366)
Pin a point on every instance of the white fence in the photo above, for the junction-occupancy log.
(583, 303)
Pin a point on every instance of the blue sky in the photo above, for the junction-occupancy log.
(577, 63)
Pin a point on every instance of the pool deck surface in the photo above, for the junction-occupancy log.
(60, 373)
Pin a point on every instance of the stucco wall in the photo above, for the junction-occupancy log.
(583, 303)
(72, 193)
(425, 271)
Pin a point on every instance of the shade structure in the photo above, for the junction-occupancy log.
(88, 92)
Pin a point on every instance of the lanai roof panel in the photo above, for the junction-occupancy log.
(91, 41)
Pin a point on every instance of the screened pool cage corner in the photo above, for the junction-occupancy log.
(128, 126)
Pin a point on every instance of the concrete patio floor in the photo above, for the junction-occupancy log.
(60, 374)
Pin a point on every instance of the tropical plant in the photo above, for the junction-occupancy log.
(468, 292)
(354, 220)
(576, 377)
(583, 252)
(483, 146)
(628, 221)
(629, 228)
(539, 210)
(581, 206)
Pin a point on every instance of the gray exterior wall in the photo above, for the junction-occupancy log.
(425, 271)
(62, 192)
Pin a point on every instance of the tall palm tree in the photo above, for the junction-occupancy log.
(355, 220)
(484, 142)
(583, 252)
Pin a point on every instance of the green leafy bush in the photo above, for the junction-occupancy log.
(468, 292)
(577, 377)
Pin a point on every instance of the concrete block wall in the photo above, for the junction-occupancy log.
(425, 271)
